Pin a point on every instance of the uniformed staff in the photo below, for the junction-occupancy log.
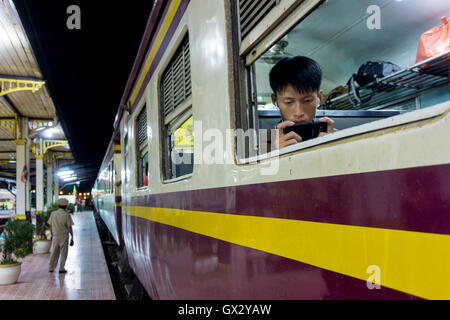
(61, 224)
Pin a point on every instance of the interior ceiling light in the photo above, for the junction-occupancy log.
(276, 53)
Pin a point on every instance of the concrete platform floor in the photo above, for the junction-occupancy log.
(87, 277)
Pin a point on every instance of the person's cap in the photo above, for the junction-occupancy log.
(63, 202)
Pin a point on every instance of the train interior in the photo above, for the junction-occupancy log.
(342, 39)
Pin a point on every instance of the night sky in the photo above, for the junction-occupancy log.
(86, 70)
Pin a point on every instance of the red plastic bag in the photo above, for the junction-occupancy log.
(434, 42)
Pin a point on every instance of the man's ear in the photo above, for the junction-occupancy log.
(320, 95)
(274, 99)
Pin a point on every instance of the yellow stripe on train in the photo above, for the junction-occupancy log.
(154, 50)
(413, 262)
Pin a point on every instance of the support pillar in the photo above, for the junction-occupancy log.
(28, 181)
(22, 175)
(39, 184)
(49, 182)
(56, 186)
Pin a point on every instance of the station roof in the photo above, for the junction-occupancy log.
(85, 70)
(17, 62)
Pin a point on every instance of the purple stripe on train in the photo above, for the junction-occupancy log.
(179, 264)
(412, 199)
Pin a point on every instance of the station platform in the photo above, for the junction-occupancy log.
(87, 276)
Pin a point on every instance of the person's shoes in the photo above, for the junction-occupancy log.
(63, 271)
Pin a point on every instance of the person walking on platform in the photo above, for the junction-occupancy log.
(61, 224)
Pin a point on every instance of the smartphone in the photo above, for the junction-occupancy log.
(307, 130)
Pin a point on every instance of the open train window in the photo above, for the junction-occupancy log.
(141, 149)
(340, 36)
(176, 115)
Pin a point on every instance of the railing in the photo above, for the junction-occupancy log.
(399, 87)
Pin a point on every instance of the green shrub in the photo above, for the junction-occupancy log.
(18, 241)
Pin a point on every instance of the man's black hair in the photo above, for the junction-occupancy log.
(302, 73)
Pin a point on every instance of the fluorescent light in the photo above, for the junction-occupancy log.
(50, 132)
(66, 172)
(70, 179)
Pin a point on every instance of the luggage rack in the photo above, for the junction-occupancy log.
(399, 87)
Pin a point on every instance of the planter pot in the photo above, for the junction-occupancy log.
(9, 273)
(41, 246)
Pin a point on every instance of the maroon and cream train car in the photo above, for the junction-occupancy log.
(361, 213)
(106, 191)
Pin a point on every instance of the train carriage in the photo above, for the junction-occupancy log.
(106, 191)
(208, 212)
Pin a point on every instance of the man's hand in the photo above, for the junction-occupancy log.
(330, 126)
(284, 140)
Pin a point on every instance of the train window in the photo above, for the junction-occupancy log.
(111, 177)
(141, 149)
(176, 115)
(341, 36)
(182, 146)
(125, 170)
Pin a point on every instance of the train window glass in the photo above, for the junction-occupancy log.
(181, 146)
(176, 114)
(125, 160)
(341, 36)
(111, 178)
(141, 149)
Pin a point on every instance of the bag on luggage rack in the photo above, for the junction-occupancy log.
(336, 92)
(434, 41)
(367, 74)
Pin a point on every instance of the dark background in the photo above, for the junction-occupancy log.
(86, 70)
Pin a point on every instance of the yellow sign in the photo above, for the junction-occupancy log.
(184, 135)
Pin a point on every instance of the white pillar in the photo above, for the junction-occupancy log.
(39, 184)
(49, 182)
(28, 183)
(56, 186)
(21, 182)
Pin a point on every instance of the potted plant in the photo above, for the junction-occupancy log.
(17, 244)
(42, 241)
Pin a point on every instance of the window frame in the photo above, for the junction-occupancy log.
(244, 59)
(184, 110)
(279, 20)
(141, 150)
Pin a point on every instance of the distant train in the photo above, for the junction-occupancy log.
(205, 211)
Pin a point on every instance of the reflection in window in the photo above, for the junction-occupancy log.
(182, 148)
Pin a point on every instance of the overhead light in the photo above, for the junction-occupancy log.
(66, 172)
(50, 132)
(70, 179)
(67, 176)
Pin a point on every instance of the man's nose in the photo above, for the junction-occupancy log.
(299, 111)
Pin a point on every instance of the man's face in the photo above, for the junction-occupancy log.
(295, 106)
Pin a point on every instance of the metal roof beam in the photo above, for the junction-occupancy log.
(10, 104)
(9, 84)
